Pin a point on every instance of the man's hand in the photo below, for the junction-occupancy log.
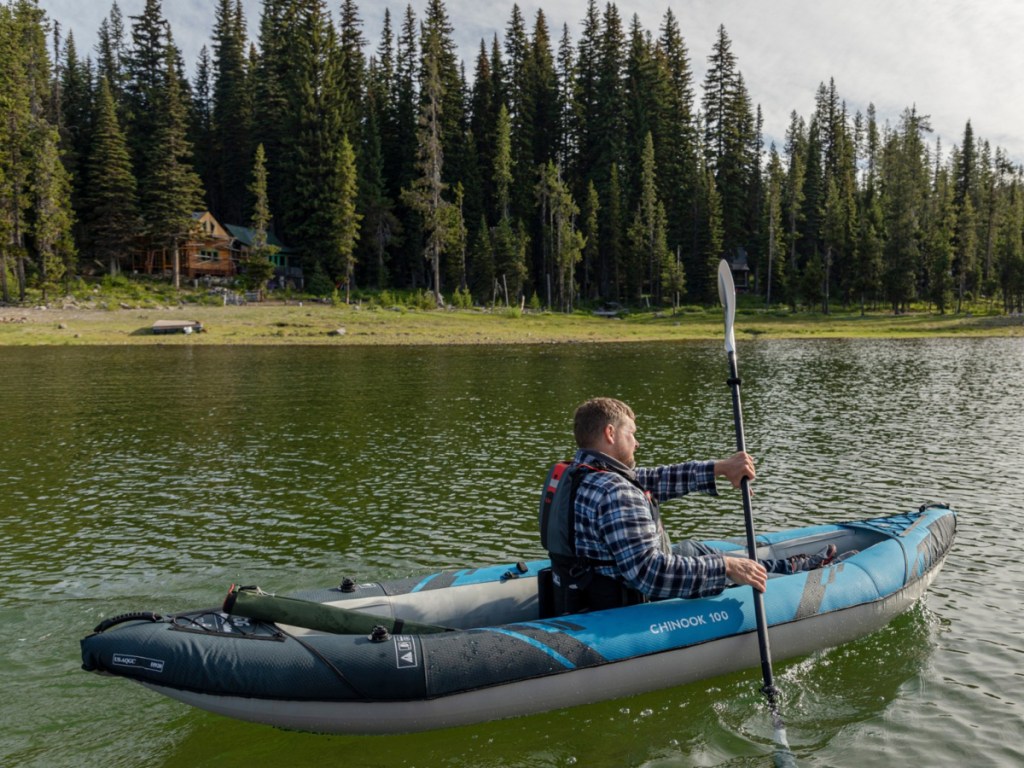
(743, 570)
(735, 468)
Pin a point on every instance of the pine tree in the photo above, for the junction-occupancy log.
(314, 162)
(904, 176)
(112, 221)
(146, 83)
(648, 245)
(426, 193)
(201, 124)
(231, 117)
(502, 176)
(567, 134)
(351, 67)
(173, 191)
(53, 217)
(346, 218)
(941, 223)
(24, 81)
(111, 56)
(398, 145)
(258, 265)
(380, 227)
(591, 231)
(1010, 250)
(274, 114)
(481, 262)
(675, 135)
(562, 242)
(730, 138)
(75, 124)
(774, 230)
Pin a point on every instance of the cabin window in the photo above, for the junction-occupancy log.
(208, 255)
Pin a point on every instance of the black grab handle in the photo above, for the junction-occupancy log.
(106, 624)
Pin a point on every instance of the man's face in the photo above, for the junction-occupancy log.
(623, 442)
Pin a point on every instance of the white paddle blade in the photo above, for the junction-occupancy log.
(727, 295)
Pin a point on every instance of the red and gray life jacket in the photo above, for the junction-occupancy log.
(557, 514)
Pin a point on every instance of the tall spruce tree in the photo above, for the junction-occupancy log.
(146, 83)
(231, 117)
(342, 246)
(425, 195)
(52, 213)
(112, 220)
(258, 265)
(172, 191)
(729, 136)
(676, 141)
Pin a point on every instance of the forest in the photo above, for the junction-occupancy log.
(560, 167)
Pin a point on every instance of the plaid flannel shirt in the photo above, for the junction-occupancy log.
(615, 521)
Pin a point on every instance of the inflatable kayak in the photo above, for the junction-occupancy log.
(461, 647)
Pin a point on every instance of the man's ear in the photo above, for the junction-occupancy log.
(609, 433)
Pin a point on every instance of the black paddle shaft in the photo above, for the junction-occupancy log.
(748, 515)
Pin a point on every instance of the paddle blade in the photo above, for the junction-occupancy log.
(727, 295)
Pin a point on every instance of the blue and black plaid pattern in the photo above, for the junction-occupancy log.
(615, 521)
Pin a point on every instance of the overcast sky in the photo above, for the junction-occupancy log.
(955, 61)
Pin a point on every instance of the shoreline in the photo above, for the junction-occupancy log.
(272, 323)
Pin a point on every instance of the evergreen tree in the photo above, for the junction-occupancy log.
(426, 193)
(563, 243)
(146, 84)
(24, 81)
(519, 102)
(346, 218)
(258, 265)
(966, 254)
(648, 246)
(112, 220)
(437, 48)
(567, 139)
(942, 221)
(904, 176)
(352, 67)
(675, 135)
(231, 116)
(314, 147)
(730, 137)
(75, 122)
(793, 199)
(502, 176)
(274, 112)
(481, 262)
(173, 191)
(52, 214)
(380, 227)
(1010, 252)
(111, 56)
(591, 230)
(399, 143)
(201, 125)
(774, 229)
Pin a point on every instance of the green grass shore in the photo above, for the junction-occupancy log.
(271, 323)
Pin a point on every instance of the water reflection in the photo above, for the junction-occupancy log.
(153, 478)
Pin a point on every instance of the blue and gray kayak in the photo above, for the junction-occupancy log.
(467, 646)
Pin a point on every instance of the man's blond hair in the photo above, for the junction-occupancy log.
(594, 415)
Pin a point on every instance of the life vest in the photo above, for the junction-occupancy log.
(557, 515)
(571, 584)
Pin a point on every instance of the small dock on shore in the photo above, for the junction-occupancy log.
(177, 326)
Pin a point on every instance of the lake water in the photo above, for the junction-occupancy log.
(153, 478)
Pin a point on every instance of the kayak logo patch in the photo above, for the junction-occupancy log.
(405, 652)
(138, 662)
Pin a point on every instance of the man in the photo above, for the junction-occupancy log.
(617, 552)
